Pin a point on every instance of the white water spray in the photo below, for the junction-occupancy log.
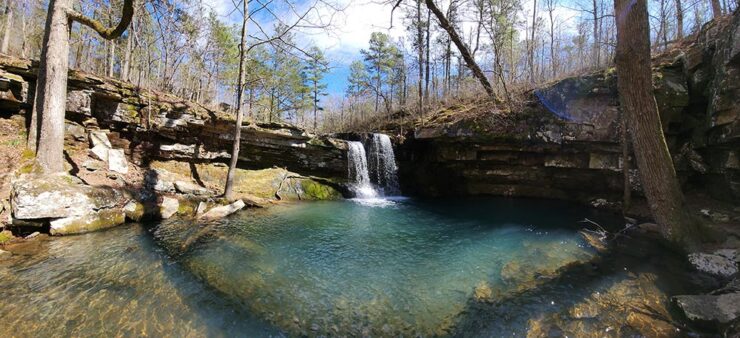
(358, 171)
(382, 163)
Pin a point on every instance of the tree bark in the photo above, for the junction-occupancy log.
(654, 162)
(229, 188)
(445, 24)
(420, 50)
(532, 43)
(6, 31)
(51, 94)
(51, 88)
(679, 19)
(716, 8)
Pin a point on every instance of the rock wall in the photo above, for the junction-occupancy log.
(563, 142)
(153, 125)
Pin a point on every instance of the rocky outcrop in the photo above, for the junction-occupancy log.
(152, 125)
(68, 205)
(564, 141)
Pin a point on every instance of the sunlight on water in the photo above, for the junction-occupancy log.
(401, 267)
(380, 267)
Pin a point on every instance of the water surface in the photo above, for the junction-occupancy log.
(398, 267)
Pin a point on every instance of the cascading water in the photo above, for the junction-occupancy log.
(382, 163)
(358, 171)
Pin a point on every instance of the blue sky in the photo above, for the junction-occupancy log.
(351, 29)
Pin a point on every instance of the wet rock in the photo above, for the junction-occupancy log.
(168, 207)
(720, 309)
(594, 240)
(6, 236)
(134, 211)
(201, 208)
(32, 235)
(117, 161)
(58, 196)
(715, 216)
(93, 221)
(713, 264)
(190, 188)
(222, 211)
(483, 292)
(731, 254)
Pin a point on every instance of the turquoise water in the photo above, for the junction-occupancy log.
(455, 267)
(405, 267)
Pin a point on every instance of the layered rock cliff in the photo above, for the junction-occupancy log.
(154, 125)
(564, 140)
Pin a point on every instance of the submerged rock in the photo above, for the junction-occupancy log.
(721, 309)
(713, 264)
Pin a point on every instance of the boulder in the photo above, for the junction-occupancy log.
(98, 137)
(99, 152)
(134, 211)
(117, 161)
(74, 131)
(160, 180)
(713, 264)
(58, 196)
(222, 211)
(190, 188)
(98, 220)
(92, 165)
(168, 207)
(721, 309)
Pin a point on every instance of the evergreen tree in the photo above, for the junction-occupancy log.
(315, 70)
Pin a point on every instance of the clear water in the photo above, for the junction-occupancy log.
(468, 267)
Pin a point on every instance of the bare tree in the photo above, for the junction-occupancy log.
(51, 88)
(461, 47)
(6, 32)
(654, 162)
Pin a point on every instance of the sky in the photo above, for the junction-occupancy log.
(351, 29)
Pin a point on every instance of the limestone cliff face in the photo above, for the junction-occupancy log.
(153, 125)
(563, 142)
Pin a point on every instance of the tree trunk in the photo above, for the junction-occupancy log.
(51, 86)
(426, 60)
(596, 47)
(654, 162)
(126, 67)
(716, 8)
(420, 49)
(679, 19)
(228, 190)
(460, 47)
(532, 43)
(6, 31)
(51, 94)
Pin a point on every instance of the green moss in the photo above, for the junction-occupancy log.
(103, 219)
(28, 154)
(5, 236)
(319, 191)
(186, 208)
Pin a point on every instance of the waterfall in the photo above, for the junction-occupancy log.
(358, 171)
(382, 162)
